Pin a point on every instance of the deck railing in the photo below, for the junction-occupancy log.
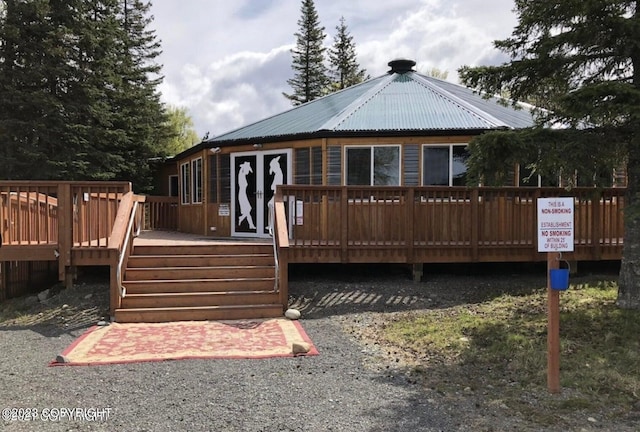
(51, 221)
(161, 213)
(279, 230)
(127, 225)
(28, 213)
(35, 213)
(441, 224)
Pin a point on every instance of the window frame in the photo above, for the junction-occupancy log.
(185, 185)
(450, 147)
(196, 181)
(372, 174)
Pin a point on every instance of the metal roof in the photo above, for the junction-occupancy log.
(394, 102)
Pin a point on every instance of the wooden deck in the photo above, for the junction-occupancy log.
(95, 223)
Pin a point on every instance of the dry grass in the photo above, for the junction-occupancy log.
(499, 347)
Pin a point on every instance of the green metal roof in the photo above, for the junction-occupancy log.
(395, 102)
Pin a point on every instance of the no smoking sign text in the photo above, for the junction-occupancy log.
(555, 224)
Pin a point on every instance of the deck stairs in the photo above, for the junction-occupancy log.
(199, 282)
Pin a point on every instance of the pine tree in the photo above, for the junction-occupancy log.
(345, 70)
(581, 60)
(310, 79)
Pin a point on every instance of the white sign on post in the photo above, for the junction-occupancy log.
(555, 224)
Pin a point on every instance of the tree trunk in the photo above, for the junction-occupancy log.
(629, 278)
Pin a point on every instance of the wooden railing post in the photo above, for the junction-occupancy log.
(475, 199)
(596, 223)
(281, 239)
(409, 204)
(344, 224)
(4, 221)
(65, 229)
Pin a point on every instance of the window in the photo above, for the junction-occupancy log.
(316, 165)
(225, 178)
(185, 177)
(527, 178)
(173, 185)
(334, 165)
(444, 165)
(213, 179)
(196, 170)
(373, 166)
(303, 166)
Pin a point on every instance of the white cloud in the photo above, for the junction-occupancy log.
(228, 62)
(231, 92)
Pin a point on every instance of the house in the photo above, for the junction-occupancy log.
(399, 129)
(374, 173)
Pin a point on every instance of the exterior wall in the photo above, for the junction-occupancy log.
(161, 178)
(192, 205)
(212, 217)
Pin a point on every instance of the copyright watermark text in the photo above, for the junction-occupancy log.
(56, 414)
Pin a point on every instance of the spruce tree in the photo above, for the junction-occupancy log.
(140, 114)
(78, 91)
(310, 79)
(345, 70)
(33, 89)
(581, 61)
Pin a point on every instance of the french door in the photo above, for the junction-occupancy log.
(254, 178)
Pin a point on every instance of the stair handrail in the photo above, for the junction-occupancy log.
(123, 252)
(272, 221)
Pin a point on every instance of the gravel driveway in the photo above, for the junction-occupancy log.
(334, 391)
(353, 385)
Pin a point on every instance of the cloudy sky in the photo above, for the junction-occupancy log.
(228, 62)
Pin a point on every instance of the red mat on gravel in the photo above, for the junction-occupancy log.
(143, 342)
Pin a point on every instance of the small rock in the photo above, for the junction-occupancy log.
(62, 359)
(102, 323)
(300, 348)
(88, 296)
(42, 296)
(468, 390)
(65, 306)
(592, 420)
(292, 314)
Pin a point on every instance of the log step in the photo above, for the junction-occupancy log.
(198, 299)
(198, 313)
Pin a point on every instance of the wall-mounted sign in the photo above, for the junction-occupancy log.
(223, 210)
(555, 224)
(299, 212)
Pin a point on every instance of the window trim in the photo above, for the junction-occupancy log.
(450, 146)
(371, 147)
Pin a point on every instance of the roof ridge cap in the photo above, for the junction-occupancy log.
(334, 121)
(462, 103)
